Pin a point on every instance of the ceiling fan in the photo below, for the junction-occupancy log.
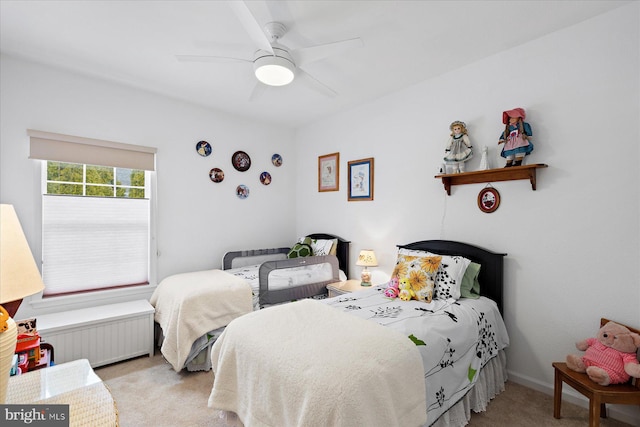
(275, 64)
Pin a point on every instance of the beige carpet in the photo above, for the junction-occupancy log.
(148, 392)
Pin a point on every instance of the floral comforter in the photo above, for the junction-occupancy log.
(455, 338)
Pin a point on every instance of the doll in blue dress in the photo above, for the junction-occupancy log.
(459, 149)
(516, 137)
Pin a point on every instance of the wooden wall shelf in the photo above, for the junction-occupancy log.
(492, 175)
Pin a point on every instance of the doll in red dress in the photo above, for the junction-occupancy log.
(516, 137)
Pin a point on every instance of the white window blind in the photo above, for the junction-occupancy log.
(77, 149)
(94, 242)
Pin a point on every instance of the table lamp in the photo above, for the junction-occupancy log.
(367, 258)
(19, 278)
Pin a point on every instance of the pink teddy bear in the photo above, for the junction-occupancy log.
(610, 358)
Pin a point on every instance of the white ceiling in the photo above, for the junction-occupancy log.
(405, 42)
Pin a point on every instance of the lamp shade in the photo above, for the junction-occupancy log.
(19, 278)
(19, 274)
(367, 258)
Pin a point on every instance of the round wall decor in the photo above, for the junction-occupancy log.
(488, 199)
(216, 175)
(242, 191)
(241, 161)
(265, 178)
(276, 159)
(203, 148)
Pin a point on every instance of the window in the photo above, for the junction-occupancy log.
(95, 228)
(87, 180)
(96, 219)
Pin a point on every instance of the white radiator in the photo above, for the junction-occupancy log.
(103, 335)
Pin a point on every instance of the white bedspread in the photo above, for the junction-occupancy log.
(188, 305)
(280, 377)
(455, 338)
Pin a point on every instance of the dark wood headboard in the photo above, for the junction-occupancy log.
(492, 270)
(342, 252)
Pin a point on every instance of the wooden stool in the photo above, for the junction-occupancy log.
(624, 394)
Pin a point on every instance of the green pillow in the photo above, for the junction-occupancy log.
(470, 287)
(300, 250)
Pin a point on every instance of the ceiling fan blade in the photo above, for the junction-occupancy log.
(209, 58)
(315, 53)
(250, 24)
(258, 90)
(315, 83)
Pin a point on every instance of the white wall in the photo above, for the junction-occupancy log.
(573, 245)
(198, 220)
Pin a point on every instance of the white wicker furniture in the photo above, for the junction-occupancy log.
(74, 384)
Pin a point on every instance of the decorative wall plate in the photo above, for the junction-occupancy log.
(216, 175)
(265, 178)
(276, 159)
(241, 161)
(242, 191)
(488, 199)
(203, 148)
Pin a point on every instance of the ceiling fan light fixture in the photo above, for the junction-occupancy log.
(274, 70)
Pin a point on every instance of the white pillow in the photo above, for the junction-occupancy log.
(412, 252)
(319, 246)
(449, 276)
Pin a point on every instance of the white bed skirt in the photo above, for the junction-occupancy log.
(490, 383)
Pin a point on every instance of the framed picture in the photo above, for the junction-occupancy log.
(488, 199)
(361, 179)
(329, 172)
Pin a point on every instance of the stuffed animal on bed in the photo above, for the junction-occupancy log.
(392, 290)
(610, 358)
(406, 293)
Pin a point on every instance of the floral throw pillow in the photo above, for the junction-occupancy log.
(417, 273)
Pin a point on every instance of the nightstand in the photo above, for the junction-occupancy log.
(340, 288)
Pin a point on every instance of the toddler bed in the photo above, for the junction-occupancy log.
(192, 309)
(365, 359)
(275, 279)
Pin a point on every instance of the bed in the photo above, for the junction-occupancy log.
(276, 279)
(192, 309)
(366, 359)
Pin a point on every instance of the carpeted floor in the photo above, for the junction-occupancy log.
(148, 392)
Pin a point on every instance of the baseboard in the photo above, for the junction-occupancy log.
(626, 413)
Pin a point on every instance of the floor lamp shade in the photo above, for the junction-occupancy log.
(19, 278)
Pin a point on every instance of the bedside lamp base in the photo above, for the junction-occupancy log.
(366, 277)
